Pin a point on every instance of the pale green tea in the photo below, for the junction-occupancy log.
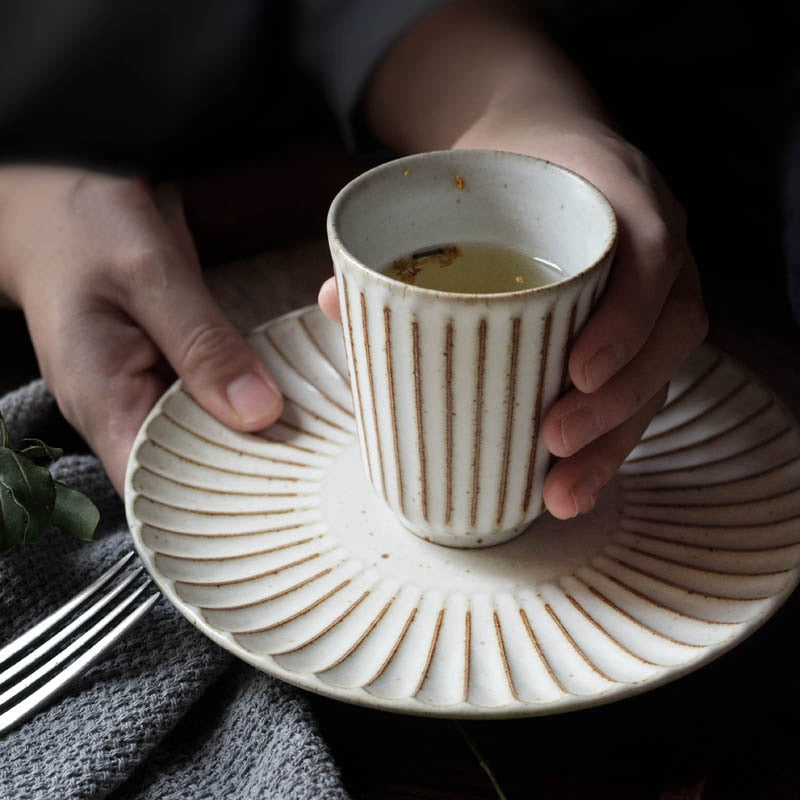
(474, 268)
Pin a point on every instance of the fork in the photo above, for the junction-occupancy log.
(42, 662)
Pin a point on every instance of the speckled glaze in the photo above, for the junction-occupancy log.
(450, 389)
(275, 546)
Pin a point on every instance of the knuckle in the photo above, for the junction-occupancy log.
(92, 192)
(657, 240)
(209, 346)
(141, 266)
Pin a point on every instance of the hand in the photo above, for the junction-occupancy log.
(649, 319)
(106, 272)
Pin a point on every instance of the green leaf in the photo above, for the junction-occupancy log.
(14, 519)
(3, 432)
(39, 452)
(74, 513)
(32, 487)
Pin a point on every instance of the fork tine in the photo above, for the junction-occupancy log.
(25, 707)
(38, 653)
(23, 641)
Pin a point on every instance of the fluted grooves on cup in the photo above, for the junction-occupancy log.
(537, 411)
(449, 411)
(387, 332)
(567, 345)
(371, 380)
(355, 379)
(511, 396)
(476, 451)
(423, 468)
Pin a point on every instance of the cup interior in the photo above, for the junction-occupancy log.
(461, 196)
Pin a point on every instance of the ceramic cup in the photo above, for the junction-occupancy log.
(449, 389)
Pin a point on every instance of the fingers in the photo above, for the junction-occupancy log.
(106, 374)
(650, 257)
(123, 411)
(328, 300)
(573, 484)
(578, 418)
(168, 297)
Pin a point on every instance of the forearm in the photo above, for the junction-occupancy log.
(472, 61)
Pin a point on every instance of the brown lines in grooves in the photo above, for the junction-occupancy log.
(431, 650)
(696, 382)
(329, 627)
(467, 662)
(592, 621)
(713, 407)
(315, 344)
(201, 512)
(568, 346)
(387, 332)
(600, 596)
(368, 630)
(216, 468)
(449, 411)
(292, 445)
(730, 503)
(354, 379)
(196, 535)
(270, 598)
(476, 452)
(537, 412)
(248, 579)
(239, 556)
(498, 630)
(225, 492)
(739, 423)
(395, 647)
(314, 415)
(715, 462)
(216, 443)
(640, 594)
(565, 633)
(537, 647)
(266, 334)
(423, 467)
(371, 379)
(630, 487)
(511, 397)
(708, 570)
(711, 526)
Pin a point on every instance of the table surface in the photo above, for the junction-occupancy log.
(728, 730)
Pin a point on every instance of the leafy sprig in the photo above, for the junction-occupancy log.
(32, 501)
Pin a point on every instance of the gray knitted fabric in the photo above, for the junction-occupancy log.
(167, 713)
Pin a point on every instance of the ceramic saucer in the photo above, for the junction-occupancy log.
(275, 546)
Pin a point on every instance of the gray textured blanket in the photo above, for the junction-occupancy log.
(167, 714)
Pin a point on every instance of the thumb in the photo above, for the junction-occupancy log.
(218, 367)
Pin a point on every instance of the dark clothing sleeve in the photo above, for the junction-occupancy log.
(339, 43)
(157, 86)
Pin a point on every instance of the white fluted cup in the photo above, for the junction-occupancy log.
(449, 389)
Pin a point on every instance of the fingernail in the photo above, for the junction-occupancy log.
(584, 493)
(252, 397)
(601, 366)
(579, 428)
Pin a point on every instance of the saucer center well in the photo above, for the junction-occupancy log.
(547, 550)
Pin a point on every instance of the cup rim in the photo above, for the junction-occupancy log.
(342, 195)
